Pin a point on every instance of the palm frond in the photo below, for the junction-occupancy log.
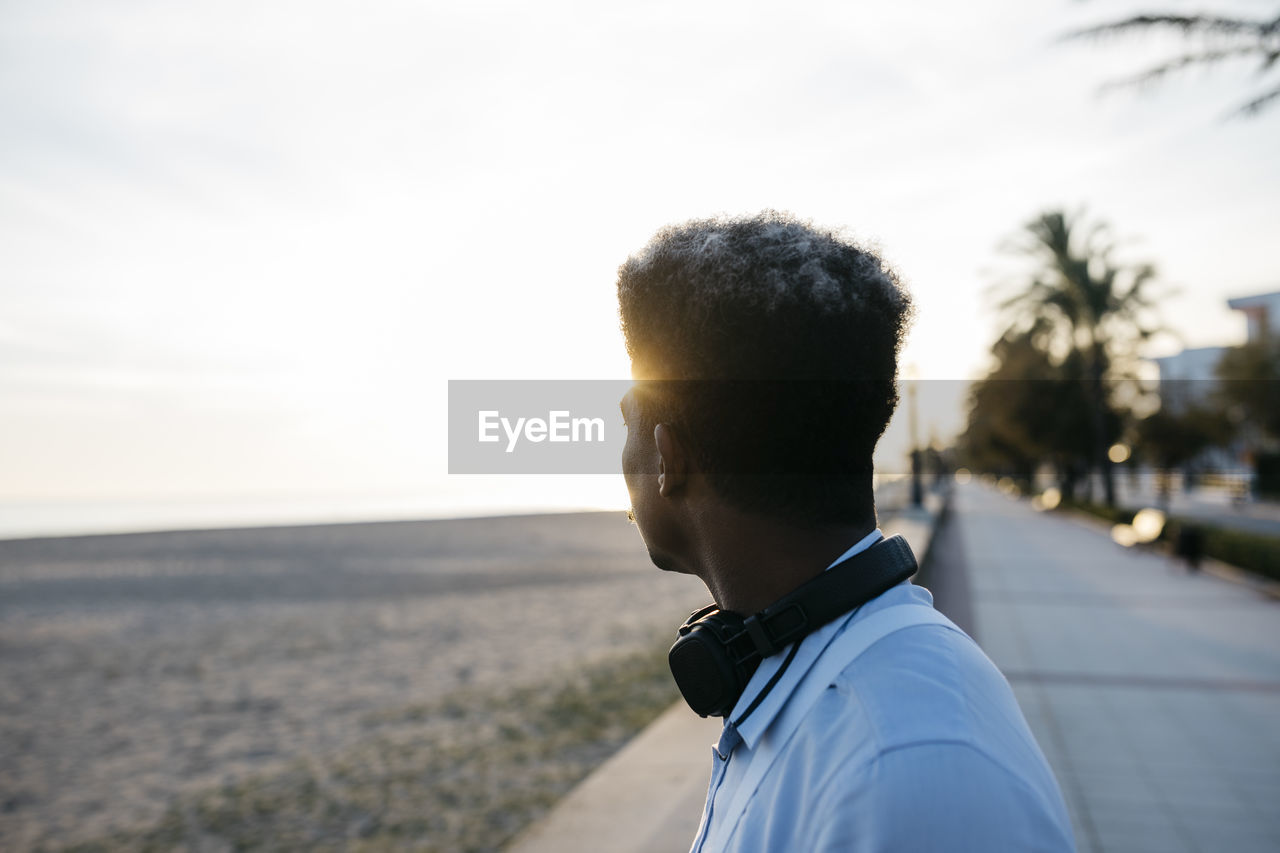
(1083, 302)
(1143, 274)
(1256, 105)
(1221, 38)
(1186, 24)
(1159, 72)
(1027, 293)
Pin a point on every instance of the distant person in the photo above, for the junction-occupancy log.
(1189, 545)
(857, 716)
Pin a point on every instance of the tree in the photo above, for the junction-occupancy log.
(1091, 308)
(1249, 385)
(1173, 437)
(1212, 40)
(1029, 410)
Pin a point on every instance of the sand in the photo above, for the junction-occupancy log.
(134, 668)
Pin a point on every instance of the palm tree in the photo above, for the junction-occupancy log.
(1028, 410)
(1212, 40)
(1095, 309)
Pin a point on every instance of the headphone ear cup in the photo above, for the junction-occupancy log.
(707, 676)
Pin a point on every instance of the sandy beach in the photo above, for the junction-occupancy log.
(134, 668)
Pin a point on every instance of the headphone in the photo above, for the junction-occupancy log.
(717, 651)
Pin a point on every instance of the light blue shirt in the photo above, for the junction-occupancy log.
(890, 730)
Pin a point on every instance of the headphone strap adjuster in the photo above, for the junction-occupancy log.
(759, 637)
(770, 632)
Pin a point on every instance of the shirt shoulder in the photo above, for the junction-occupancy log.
(936, 796)
(923, 716)
(911, 736)
(922, 684)
(928, 683)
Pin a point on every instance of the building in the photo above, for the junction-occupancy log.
(1189, 375)
(1262, 313)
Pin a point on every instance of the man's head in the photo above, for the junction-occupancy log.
(766, 353)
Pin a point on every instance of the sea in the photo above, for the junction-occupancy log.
(461, 497)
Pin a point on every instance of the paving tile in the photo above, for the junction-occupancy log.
(1155, 694)
(1140, 833)
(1198, 791)
(1129, 788)
(1233, 835)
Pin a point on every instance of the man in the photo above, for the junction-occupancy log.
(765, 353)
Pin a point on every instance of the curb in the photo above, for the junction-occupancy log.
(647, 798)
(1220, 570)
(1240, 577)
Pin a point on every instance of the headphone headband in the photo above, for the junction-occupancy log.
(833, 593)
(717, 651)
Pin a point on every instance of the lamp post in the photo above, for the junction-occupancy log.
(917, 491)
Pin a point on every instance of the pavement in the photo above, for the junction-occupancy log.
(1153, 692)
(1251, 515)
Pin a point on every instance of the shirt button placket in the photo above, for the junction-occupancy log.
(720, 755)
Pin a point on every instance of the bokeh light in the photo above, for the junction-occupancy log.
(1148, 524)
(1118, 452)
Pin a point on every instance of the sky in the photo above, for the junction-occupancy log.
(245, 245)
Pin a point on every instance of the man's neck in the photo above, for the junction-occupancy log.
(750, 561)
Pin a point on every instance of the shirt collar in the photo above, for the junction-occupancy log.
(861, 545)
(810, 650)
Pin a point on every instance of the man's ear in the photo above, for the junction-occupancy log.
(673, 460)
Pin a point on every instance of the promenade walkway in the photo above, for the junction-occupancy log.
(1154, 693)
